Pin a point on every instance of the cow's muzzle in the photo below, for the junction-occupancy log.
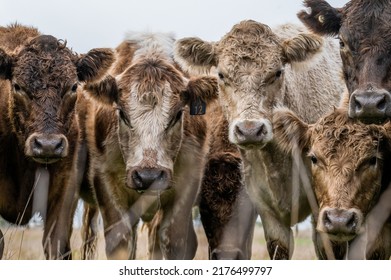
(46, 148)
(148, 179)
(250, 134)
(340, 224)
(370, 106)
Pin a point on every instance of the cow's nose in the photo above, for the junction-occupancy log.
(341, 222)
(370, 106)
(48, 146)
(149, 178)
(250, 132)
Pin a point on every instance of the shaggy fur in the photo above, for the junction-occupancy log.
(364, 30)
(38, 99)
(149, 127)
(259, 68)
(350, 163)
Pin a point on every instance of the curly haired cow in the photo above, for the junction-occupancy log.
(39, 130)
(350, 164)
(257, 68)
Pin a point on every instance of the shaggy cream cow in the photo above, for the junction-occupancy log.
(259, 68)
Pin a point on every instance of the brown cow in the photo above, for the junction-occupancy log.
(364, 31)
(148, 155)
(39, 133)
(259, 68)
(350, 170)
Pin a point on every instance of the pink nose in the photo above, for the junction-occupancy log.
(250, 132)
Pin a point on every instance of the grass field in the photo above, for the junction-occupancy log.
(22, 243)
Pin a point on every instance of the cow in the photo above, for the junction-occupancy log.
(349, 170)
(364, 33)
(258, 68)
(149, 150)
(39, 132)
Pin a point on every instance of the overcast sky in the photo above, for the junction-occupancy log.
(87, 24)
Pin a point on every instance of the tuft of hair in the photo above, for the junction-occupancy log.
(204, 88)
(104, 91)
(302, 47)
(321, 18)
(289, 131)
(195, 55)
(93, 66)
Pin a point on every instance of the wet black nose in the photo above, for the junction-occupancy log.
(370, 106)
(147, 178)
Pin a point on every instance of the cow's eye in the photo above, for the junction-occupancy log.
(174, 120)
(314, 160)
(221, 76)
(74, 88)
(341, 44)
(373, 161)
(16, 87)
(124, 117)
(278, 74)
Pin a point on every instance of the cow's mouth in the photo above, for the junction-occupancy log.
(378, 121)
(46, 160)
(343, 237)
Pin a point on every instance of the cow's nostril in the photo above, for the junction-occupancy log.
(357, 105)
(59, 146)
(381, 105)
(37, 143)
(238, 131)
(137, 180)
(261, 130)
(352, 222)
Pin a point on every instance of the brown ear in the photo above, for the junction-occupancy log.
(203, 88)
(302, 47)
(94, 65)
(104, 91)
(321, 18)
(289, 131)
(5, 65)
(195, 55)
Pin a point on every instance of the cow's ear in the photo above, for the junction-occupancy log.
(290, 132)
(94, 65)
(104, 91)
(5, 65)
(301, 48)
(202, 90)
(195, 55)
(321, 18)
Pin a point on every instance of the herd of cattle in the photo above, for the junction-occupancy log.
(279, 124)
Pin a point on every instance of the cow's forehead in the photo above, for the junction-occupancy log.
(337, 135)
(249, 44)
(41, 64)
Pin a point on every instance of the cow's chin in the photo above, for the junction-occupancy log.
(45, 160)
(341, 237)
(252, 146)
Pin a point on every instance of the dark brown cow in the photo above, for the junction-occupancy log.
(148, 155)
(350, 171)
(364, 30)
(39, 134)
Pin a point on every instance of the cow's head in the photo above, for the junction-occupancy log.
(250, 62)
(151, 98)
(44, 77)
(364, 30)
(350, 166)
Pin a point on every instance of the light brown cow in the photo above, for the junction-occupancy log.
(39, 131)
(350, 164)
(259, 68)
(148, 154)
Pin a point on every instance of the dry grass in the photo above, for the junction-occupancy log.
(23, 243)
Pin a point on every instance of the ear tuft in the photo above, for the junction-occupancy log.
(321, 18)
(289, 131)
(203, 88)
(104, 91)
(94, 65)
(195, 55)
